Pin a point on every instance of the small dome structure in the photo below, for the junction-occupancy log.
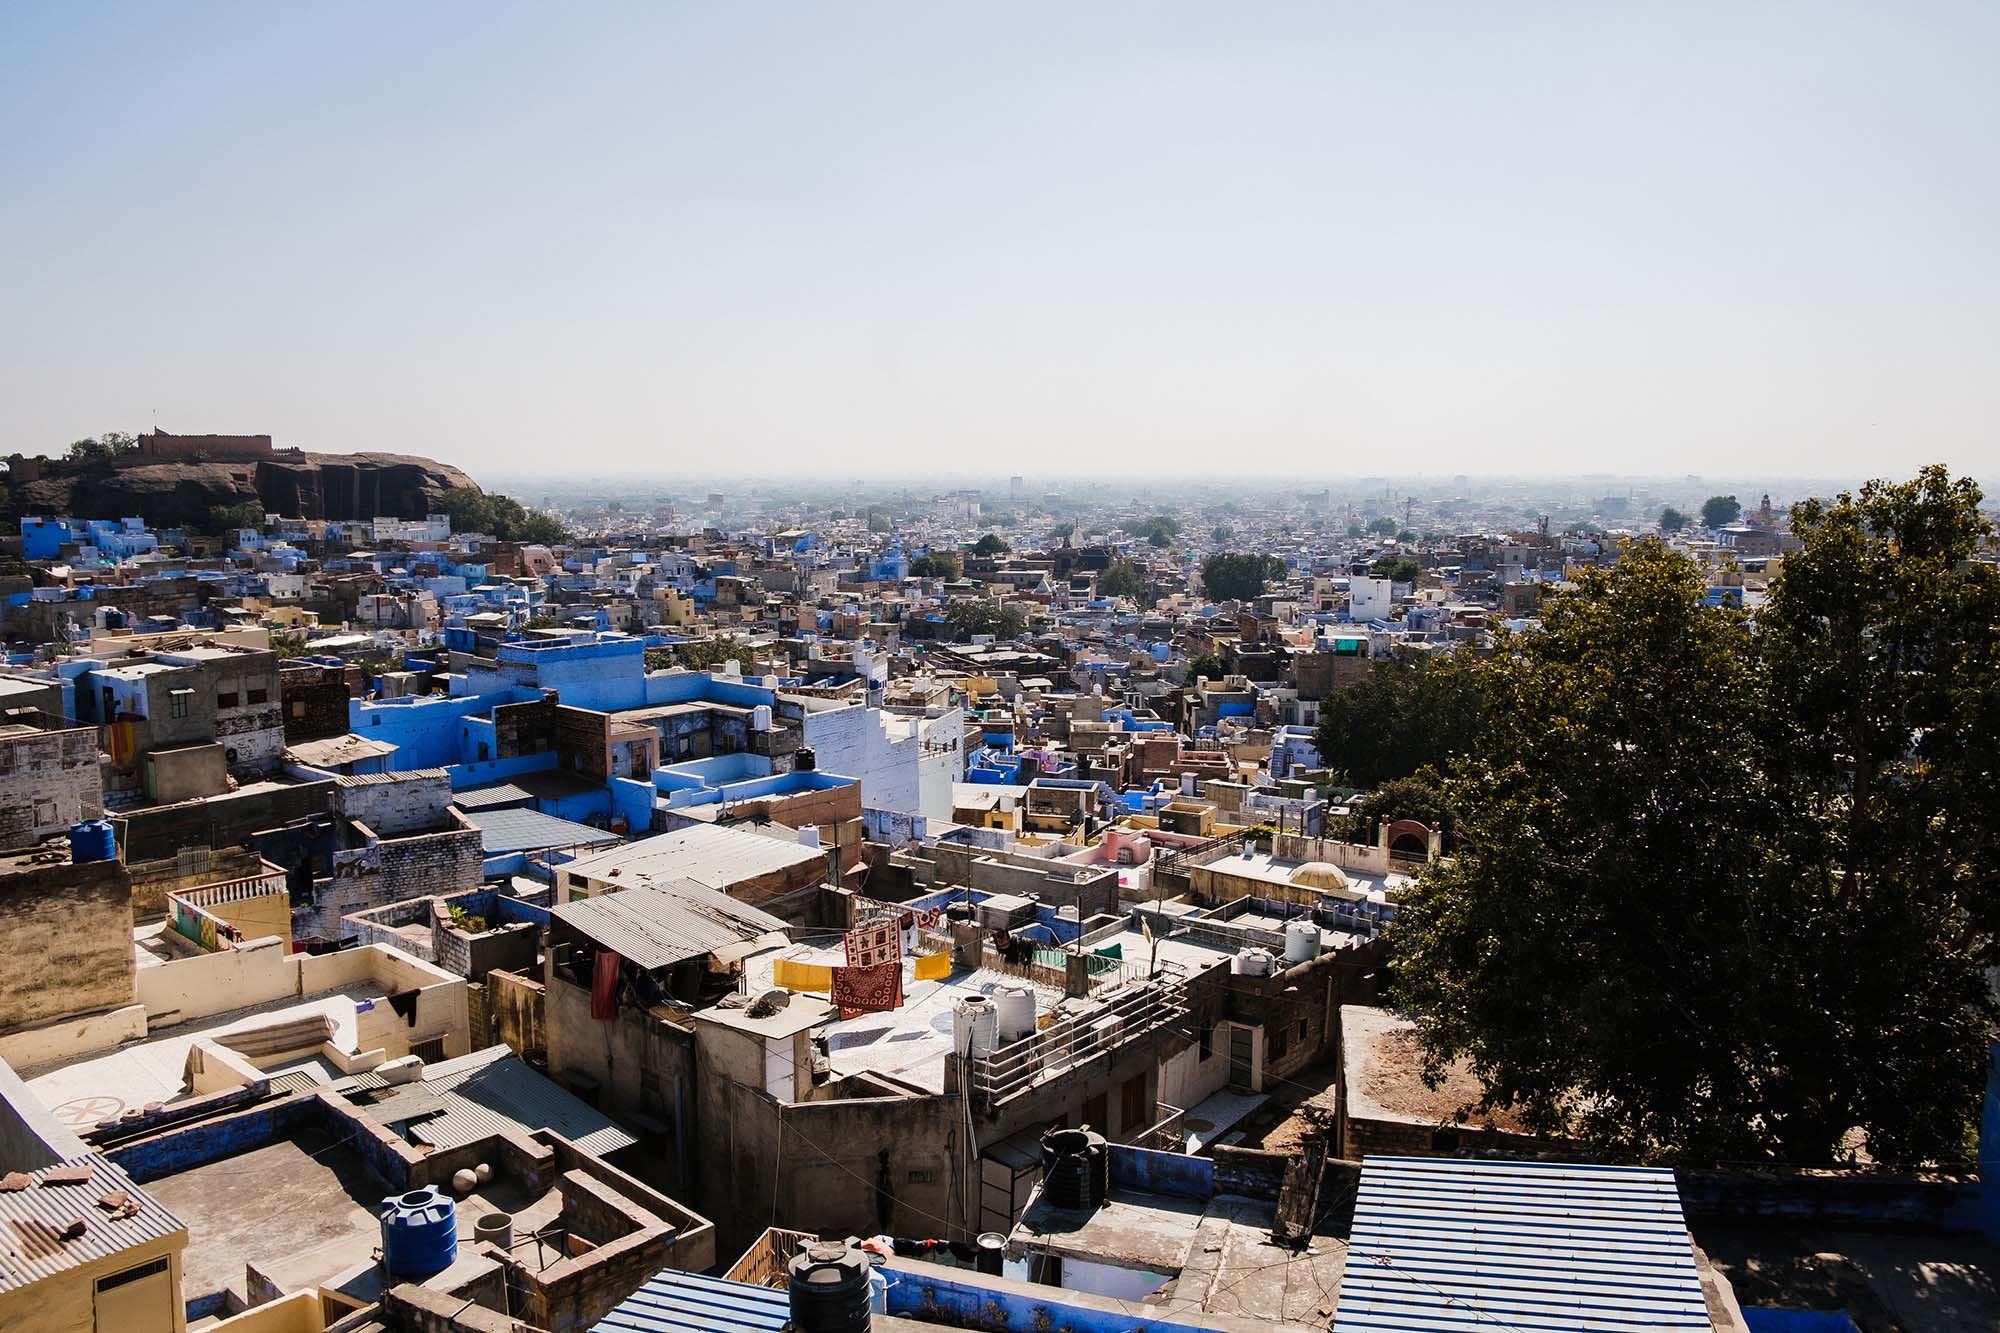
(1319, 875)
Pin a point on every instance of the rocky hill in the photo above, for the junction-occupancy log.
(169, 492)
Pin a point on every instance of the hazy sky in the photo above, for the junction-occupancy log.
(1330, 238)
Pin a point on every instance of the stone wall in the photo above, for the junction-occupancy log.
(313, 701)
(220, 821)
(393, 804)
(514, 1003)
(48, 781)
(66, 931)
(584, 737)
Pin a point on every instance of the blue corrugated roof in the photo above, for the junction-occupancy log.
(673, 1301)
(503, 831)
(1447, 1246)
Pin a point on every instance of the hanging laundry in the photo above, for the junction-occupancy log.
(604, 986)
(867, 990)
(934, 968)
(404, 1003)
(797, 976)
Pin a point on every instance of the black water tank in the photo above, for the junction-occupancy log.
(804, 760)
(828, 1285)
(1076, 1168)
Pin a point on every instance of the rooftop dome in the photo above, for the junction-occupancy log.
(1319, 875)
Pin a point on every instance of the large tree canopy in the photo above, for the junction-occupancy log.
(1724, 894)
(1230, 576)
(1402, 717)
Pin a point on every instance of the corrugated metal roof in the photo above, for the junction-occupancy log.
(32, 1221)
(673, 1301)
(658, 927)
(709, 854)
(1448, 1246)
(489, 1092)
(490, 798)
(503, 831)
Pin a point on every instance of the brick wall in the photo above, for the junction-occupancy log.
(48, 781)
(313, 702)
(584, 737)
(393, 804)
(66, 931)
(431, 863)
(524, 728)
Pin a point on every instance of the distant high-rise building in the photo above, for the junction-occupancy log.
(1014, 489)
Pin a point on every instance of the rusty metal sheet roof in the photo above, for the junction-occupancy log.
(33, 1220)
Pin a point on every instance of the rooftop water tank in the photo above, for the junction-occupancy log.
(93, 840)
(1301, 941)
(828, 1287)
(804, 760)
(1015, 1012)
(1076, 1168)
(1251, 963)
(419, 1233)
(975, 1026)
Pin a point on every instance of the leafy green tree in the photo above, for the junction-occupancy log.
(1159, 531)
(1402, 717)
(934, 565)
(1383, 526)
(1205, 664)
(1121, 579)
(1062, 531)
(1232, 576)
(1723, 895)
(1356, 530)
(709, 654)
(103, 448)
(229, 518)
(1221, 533)
(502, 516)
(1407, 537)
(1672, 519)
(1420, 797)
(1397, 569)
(1719, 511)
(877, 521)
(968, 616)
(989, 545)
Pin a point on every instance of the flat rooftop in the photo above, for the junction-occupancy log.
(1274, 869)
(1382, 1075)
(1886, 1281)
(81, 1093)
(305, 1210)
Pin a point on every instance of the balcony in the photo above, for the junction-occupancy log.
(1070, 1041)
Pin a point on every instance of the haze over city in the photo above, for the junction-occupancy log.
(1341, 239)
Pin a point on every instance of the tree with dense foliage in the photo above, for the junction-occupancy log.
(1233, 576)
(968, 616)
(1719, 511)
(1159, 531)
(502, 516)
(1062, 531)
(1672, 519)
(103, 448)
(1384, 526)
(934, 565)
(710, 654)
(1724, 895)
(225, 519)
(1401, 717)
(1122, 579)
(1420, 797)
(1397, 569)
(1205, 664)
(989, 545)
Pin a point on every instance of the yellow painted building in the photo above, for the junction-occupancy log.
(119, 1270)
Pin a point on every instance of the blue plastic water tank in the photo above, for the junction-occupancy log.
(93, 840)
(419, 1232)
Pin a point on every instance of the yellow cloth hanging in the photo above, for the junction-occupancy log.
(934, 968)
(796, 976)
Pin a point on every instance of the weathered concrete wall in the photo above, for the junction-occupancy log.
(220, 821)
(313, 701)
(67, 931)
(515, 1004)
(635, 1063)
(393, 804)
(48, 781)
(152, 881)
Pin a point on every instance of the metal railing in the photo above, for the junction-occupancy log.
(1073, 1040)
(1168, 1133)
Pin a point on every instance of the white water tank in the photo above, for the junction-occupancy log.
(1015, 1006)
(1251, 963)
(1301, 941)
(975, 1026)
(760, 718)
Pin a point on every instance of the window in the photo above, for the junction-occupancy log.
(225, 698)
(132, 1274)
(1207, 1042)
(298, 708)
(177, 703)
(260, 696)
(483, 755)
(430, 1050)
(1096, 1112)
(45, 811)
